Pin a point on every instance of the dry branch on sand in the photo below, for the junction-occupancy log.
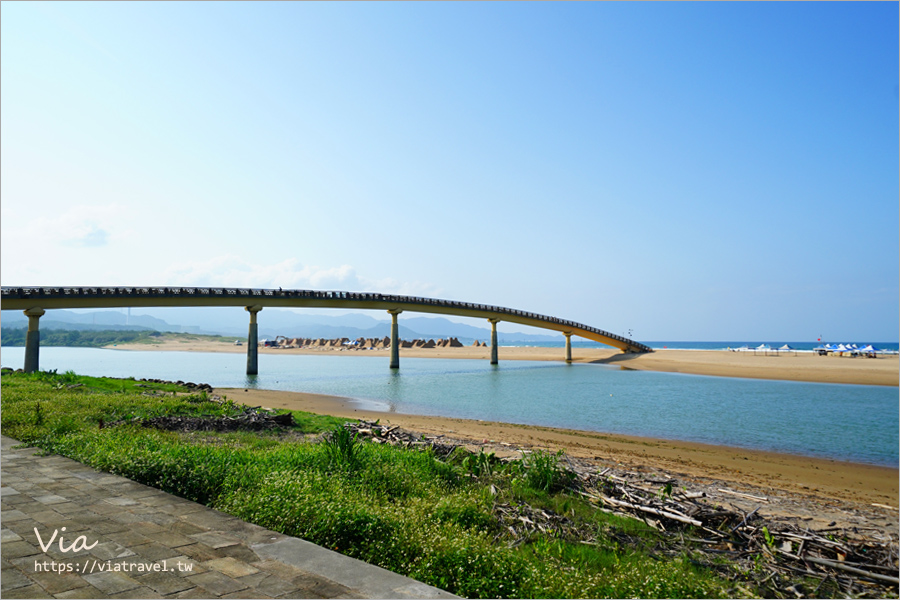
(775, 553)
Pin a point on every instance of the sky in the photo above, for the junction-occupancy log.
(680, 171)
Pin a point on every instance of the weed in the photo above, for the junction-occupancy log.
(342, 448)
(479, 465)
(543, 472)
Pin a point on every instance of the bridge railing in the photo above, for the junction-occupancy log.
(169, 292)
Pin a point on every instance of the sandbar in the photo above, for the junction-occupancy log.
(790, 366)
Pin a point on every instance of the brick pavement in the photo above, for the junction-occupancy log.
(155, 545)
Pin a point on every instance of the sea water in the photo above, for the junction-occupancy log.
(845, 422)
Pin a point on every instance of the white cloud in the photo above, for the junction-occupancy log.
(233, 271)
(85, 226)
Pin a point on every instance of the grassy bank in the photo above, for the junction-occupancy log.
(432, 519)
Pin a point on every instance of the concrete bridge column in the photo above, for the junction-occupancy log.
(494, 322)
(32, 339)
(568, 347)
(253, 341)
(395, 339)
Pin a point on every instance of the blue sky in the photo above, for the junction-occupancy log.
(695, 171)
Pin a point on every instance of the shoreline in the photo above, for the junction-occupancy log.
(769, 473)
(809, 367)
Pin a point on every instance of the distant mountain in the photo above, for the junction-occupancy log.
(233, 321)
(65, 319)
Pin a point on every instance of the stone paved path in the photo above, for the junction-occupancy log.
(155, 545)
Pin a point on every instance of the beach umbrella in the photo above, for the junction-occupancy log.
(763, 347)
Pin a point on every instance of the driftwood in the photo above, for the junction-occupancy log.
(384, 434)
(772, 555)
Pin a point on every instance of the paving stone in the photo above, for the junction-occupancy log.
(200, 552)
(64, 526)
(32, 591)
(196, 592)
(121, 501)
(146, 528)
(170, 539)
(279, 569)
(127, 517)
(216, 583)
(140, 592)
(88, 591)
(231, 567)
(320, 586)
(10, 502)
(165, 583)
(70, 509)
(154, 552)
(184, 528)
(12, 578)
(215, 540)
(246, 594)
(111, 551)
(46, 517)
(111, 582)
(127, 537)
(212, 520)
(7, 516)
(50, 499)
(24, 528)
(269, 584)
(106, 527)
(17, 549)
(184, 566)
(56, 583)
(103, 508)
(240, 552)
(8, 535)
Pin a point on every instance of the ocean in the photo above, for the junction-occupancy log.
(857, 423)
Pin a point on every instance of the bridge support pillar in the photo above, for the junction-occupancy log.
(494, 322)
(568, 347)
(253, 341)
(33, 339)
(395, 339)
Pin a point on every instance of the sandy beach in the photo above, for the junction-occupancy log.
(823, 489)
(801, 366)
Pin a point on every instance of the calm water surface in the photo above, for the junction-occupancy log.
(845, 422)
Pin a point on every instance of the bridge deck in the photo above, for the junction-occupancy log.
(23, 298)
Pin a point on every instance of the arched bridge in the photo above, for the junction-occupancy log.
(34, 300)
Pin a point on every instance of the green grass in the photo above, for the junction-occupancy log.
(404, 510)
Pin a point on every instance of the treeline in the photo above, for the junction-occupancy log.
(82, 338)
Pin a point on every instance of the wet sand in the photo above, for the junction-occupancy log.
(803, 366)
(768, 472)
